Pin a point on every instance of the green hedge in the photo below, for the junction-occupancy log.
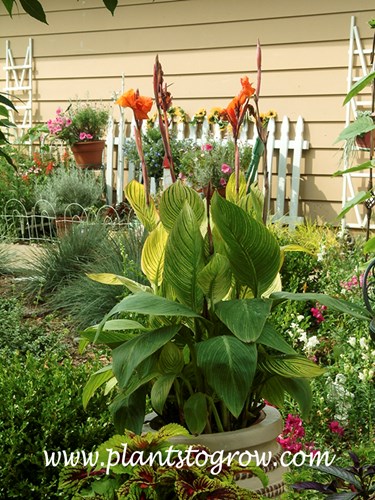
(41, 409)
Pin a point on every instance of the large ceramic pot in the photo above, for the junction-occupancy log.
(88, 154)
(257, 439)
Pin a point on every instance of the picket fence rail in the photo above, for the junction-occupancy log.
(278, 149)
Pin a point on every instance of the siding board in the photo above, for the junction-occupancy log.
(205, 46)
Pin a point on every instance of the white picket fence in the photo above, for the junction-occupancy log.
(285, 151)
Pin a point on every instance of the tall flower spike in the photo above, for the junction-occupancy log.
(163, 100)
(140, 105)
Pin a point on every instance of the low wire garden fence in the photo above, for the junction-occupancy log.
(35, 225)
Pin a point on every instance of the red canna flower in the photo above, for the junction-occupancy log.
(140, 105)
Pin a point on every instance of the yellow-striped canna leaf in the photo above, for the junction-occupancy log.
(147, 214)
(152, 260)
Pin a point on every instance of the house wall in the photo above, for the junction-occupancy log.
(205, 46)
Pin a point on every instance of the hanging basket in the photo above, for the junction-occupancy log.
(88, 154)
(364, 141)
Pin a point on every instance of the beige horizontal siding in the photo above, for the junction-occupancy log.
(205, 46)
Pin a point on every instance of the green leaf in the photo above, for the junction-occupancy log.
(110, 333)
(173, 200)
(7, 102)
(215, 278)
(117, 280)
(184, 259)
(290, 366)
(361, 84)
(128, 356)
(358, 127)
(195, 413)
(369, 246)
(357, 168)
(152, 261)
(147, 303)
(171, 359)
(95, 381)
(300, 391)
(4, 112)
(358, 198)
(129, 412)
(339, 305)
(244, 318)
(252, 250)
(111, 5)
(147, 214)
(229, 366)
(230, 190)
(271, 338)
(160, 391)
(253, 203)
(8, 158)
(34, 9)
(8, 4)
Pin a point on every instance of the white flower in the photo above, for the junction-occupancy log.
(352, 341)
(311, 343)
(303, 337)
(300, 317)
(340, 379)
(363, 343)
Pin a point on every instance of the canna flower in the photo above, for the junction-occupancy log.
(140, 105)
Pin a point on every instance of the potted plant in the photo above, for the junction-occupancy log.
(66, 194)
(82, 126)
(203, 347)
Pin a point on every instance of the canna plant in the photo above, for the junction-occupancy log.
(203, 349)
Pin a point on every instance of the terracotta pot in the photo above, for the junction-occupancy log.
(260, 438)
(364, 141)
(88, 154)
(220, 190)
(65, 224)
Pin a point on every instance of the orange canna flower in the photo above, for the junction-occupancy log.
(140, 105)
(247, 89)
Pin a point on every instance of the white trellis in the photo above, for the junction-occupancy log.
(287, 151)
(18, 84)
(355, 52)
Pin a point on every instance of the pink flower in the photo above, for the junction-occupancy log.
(223, 182)
(58, 111)
(336, 428)
(226, 169)
(206, 147)
(83, 136)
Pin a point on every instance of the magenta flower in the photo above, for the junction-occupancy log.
(226, 169)
(336, 428)
(83, 136)
(223, 182)
(206, 147)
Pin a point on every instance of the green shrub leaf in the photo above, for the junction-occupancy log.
(95, 381)
(160, 391)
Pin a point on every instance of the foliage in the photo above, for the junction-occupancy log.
(42, 410)
(211, 163)
(153, 149)
(35, 9)
(357, 481)
(154, 479)
(64, 260)
(68, 191)
(86, 301)
(5, 105)
(23, 336)
(197, 324)
(362, 125)
(81, 122)
(5, 260)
